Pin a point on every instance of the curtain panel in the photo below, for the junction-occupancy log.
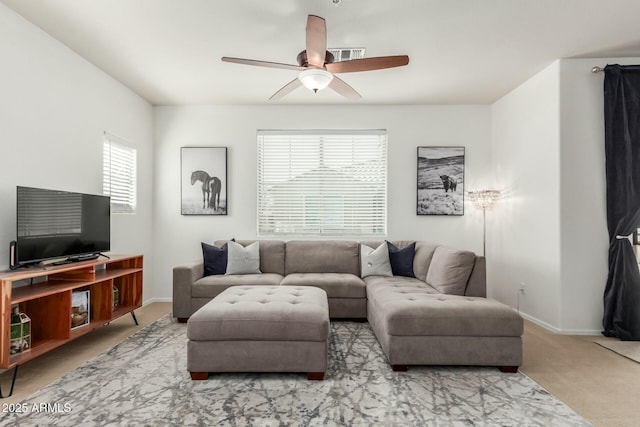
(622, 149)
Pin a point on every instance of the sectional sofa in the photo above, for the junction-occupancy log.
(438, 317)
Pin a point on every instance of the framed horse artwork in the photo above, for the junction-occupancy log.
(440, 184)
(203, 176)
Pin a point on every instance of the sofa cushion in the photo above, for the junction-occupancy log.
(396, 284)
(450, 270)
(214, 259)
(322, 256)
(271, 254)
(396, 287)
(375, 262)
(337, 285)
(422, 259)
(448, 315)
(269, 313)
(402, 259)
(243, 260)
(210, 286)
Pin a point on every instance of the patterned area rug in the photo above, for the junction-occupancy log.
(143, 381)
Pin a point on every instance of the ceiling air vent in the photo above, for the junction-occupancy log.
(346, 54)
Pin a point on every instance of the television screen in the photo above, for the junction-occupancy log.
(57, 224)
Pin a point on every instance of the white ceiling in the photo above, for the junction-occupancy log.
(461, 51)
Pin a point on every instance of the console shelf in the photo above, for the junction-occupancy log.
(48, 301)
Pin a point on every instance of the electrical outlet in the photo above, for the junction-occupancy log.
(523, 288)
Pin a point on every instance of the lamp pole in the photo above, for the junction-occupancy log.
(484, 231)
(484, 199)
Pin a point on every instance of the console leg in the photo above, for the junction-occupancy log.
(134, 317)
(315, 376)
(198, 376)
(182, 319)
(508, 369)
(13, 383)
(399, 368)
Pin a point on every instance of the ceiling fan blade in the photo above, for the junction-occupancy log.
(286, 89)
(367, 64)
(262, 63)
(316, 41)
(343, 88)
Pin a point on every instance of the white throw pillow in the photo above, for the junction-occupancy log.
(375, 262)
(241, 260)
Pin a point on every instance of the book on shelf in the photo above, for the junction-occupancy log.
(80, 309)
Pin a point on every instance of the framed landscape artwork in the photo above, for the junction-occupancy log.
(203, 176)
(440, 186)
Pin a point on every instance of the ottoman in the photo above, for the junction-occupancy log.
(260, 329)
(417, 328)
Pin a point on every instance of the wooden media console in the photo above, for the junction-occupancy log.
(44, 294)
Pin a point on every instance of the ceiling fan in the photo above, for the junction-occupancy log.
(316, 66)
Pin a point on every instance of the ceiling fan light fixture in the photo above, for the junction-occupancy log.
(315, 79)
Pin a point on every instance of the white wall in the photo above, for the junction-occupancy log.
(54, 108)
(177, 238)
(524, 230)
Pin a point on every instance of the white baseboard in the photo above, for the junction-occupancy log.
(558, 330)
(540, 322)
(151, 300)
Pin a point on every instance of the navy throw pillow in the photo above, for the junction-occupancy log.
(402, 259)
(215, 259)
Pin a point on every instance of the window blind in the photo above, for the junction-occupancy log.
(322, 183)
(119, 174)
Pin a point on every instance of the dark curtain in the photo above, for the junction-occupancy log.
(622, 148)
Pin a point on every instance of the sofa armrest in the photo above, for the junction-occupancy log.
(184, 277)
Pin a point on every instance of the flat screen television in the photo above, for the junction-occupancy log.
(58, 224)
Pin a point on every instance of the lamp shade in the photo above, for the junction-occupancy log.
(484, 199)
(315, 79)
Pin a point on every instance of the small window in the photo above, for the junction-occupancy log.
(119, 174)
(322, 183)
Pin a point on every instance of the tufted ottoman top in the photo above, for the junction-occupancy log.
(409, 312)
(263, 313)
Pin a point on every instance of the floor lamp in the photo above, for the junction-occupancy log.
(484, 199)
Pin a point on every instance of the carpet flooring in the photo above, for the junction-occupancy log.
(628, 349)
(143, 381)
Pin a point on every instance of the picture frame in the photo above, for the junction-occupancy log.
(80, 309)
(440, 180)
(203, 180)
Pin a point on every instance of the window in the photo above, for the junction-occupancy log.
(119, 174)
(325, 183)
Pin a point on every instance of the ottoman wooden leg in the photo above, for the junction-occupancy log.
(199, 375)
(399, 368)
(509, 369)
(182, 319)
(315, 376)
